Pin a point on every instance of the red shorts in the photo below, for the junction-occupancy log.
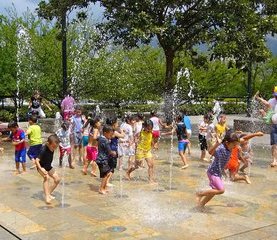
(92, 153)
(67, 115)
(156, 134)
(64, 151)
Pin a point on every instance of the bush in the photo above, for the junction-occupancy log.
(6, 116)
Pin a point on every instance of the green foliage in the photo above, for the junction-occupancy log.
(6, 116)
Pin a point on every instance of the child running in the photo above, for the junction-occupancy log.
(45, 169)
(156, 128)
(221, 126)
(104, 154)
(17, 137)
(143, 151)
(85, 131)
(114, 145)
(222, 153)
(92, 147)
(202, 137)
(35, 141)
(65, 148)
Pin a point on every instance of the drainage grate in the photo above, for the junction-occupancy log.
(117, 229)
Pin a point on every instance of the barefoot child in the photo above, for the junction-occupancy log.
(64, 146)
(143, 151)
(221, 126)
(92, 147)
(221, 153)
(202, 137)
(118, 133)
(35, 141)
(104, 154)
(17, 137)
(45, 169)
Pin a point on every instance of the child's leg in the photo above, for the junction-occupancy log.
(183, 158)
(69, 159)
(236, 177)
(46, 187)
(150, 163)
(85, 168)
(80, 150)
(132, 168)
(205, 196)
(24, 167)
(93, 168)
(56, 179)
(17, 171)
(120, 163)
(108, 176)
(203, 154)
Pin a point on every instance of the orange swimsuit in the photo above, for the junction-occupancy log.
(233, 163)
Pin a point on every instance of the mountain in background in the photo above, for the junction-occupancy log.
(272, 44)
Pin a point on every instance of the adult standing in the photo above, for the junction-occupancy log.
(67, 106)
(273, 133)
(187, 122)
(35, 105)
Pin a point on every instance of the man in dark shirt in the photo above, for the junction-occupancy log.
(45, 169)
(104, 153)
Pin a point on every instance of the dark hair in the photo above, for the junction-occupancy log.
(94, 121)
(179, 118)
(65, 125)
(111, 121)
(33, 118)
(53, 139)
(129, 118)
(153, 113)
(107, 129)
(231, 136)
(207, 117)
(140, 116)
(147, 123)
(12, 124)
(184, 111)
(77, 107)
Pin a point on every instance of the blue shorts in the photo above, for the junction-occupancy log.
(85, 141)
(182, 146)
(273, 134)
(77, 138)
(20, 156)
(34, 151)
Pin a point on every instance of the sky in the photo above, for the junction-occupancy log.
(21, 6)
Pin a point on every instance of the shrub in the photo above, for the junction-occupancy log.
(6, 116)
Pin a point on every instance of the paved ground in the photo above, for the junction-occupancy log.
(137, 210)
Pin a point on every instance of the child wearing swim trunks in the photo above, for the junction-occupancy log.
(104, 154)
(17, 136)
(45, 169)
(92, 147)
(35, 141)
(202, 137)
(221, 153)
(143, 151)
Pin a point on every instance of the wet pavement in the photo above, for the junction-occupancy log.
(136, 210)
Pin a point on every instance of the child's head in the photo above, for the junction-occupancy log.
(96, 122)
(130, 119)
(13, 126)
(32, 119)
(179, 118)
(108, 131)
(148, 126)
(112, 122)
(222, 119)
(206, 118)
(231, 139)
(53, 142)
(65, 125)
(153, 113)
(140, 117)
(78, 111)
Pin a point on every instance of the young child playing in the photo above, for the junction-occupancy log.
(183, 141)
(45, 169)
(187, 123)
(143, 151)
(211, 134)
(17, 137)
(92, 147)
(266, 113)
(118, 133)
(35, 141)
(85, 132)
(221, 126)
(202, 137)
(104, 154)
(76, 132)
(222, 153)
(156, 128)
(64, 146)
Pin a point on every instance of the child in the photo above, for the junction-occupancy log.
(156, 128)
(92, 147)
(126, 145)
(45, 169)
(211, 136)
(17, 137)
(187, 123)
(35, 141)
(202, 137)
(183, 141)
(76, 132)
(114, 145)
(222, 153)
(143, 151)
(268, 113)
(138, 124)
(86, 130)
(221, 127)
(104, 154)
(64, 146)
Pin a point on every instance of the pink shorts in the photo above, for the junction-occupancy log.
(64, 151)
(215, 182)
(156, 134)
(92, 153)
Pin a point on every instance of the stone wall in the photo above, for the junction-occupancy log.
(251, 125)
(48, 125)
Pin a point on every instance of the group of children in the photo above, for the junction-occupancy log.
(104, 145)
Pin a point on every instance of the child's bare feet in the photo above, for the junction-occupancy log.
(152, 182)
(198, 198)
(273, 164)
(103, 192)
(93, 174)
(247, 179)
(1, 150)
(185, 166)
(84, 172)
(48, 199)
(52, 197)
(127, 176)
(16, 172)
(24, 172)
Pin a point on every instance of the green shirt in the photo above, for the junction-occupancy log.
(34, 134)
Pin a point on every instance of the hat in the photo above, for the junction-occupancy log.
(275, 91)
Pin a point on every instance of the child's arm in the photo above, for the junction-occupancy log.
(263, 101)
(212, 150)
(39, 167)
(119, 134)
(251, 135)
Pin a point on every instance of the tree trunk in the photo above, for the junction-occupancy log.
(169, 109)
(249, 88)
